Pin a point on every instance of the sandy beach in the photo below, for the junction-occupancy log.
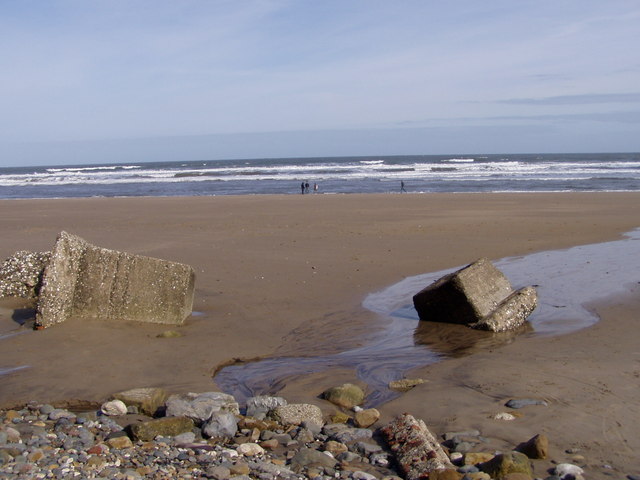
(286, 275)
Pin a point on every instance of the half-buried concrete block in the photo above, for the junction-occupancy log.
(85, 281)
(465, 296)
(479, 296)
(511, 313)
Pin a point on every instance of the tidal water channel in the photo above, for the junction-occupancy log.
(568, 282)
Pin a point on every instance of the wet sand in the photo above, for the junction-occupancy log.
(286, 275)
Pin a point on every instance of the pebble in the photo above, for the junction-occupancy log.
(41, 442)
(564, 470)
(46, 442)
(114, 408)
(504, 416)
(516, 403)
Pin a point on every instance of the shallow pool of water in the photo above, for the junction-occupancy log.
(567, 281)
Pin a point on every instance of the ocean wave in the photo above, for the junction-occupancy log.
(92, 169)
(423, 173)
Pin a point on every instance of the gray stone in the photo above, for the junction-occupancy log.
(221, 424)
(517, 403)
(200, 406)
(297, 413)
(359, 475)
(305, 436)
(85, 281)
(114, 408)
(568, 470)
(416, 450)
(263, 404)
(478, 295)
(218, 472)
(276, 470)
(465, 433)
(345, 434)
(59, 413)
(366, 449)
(46, 409)
(307, 457)
(313, 427)
(348, 457)
(185, 438)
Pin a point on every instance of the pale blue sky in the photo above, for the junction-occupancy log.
(125, 80)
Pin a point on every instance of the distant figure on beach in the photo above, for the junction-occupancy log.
(306, 187)
(302, 188)
(402, 189)
(315, 187)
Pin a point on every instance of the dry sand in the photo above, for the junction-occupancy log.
(287, 274)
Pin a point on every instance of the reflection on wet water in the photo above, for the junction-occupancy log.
(450, 340)
(16, 316)
(566, 281)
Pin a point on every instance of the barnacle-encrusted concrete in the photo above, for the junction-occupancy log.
(85, 281)
(21, 274)
(417, 451)
(511, 313)
(478, 295)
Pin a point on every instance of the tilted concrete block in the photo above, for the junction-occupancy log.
(85, 281)
(511, 313)
(479, 296)
(465, 296)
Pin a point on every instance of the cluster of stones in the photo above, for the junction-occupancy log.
(144, 433)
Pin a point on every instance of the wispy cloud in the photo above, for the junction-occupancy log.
(585, 99)
(74, 70)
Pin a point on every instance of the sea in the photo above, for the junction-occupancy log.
(593, 172)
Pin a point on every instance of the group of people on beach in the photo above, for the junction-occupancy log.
(304, 187)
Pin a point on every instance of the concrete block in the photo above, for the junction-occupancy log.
(511, 313)
(465, 296)
(89, 282)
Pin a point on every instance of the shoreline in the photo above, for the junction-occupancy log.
(276, 274)
(297, 194)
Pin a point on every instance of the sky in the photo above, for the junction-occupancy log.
(153, 80)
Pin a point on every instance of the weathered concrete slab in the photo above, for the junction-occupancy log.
(417, 451)
(85, 281)
(511, 313)
(465, 296)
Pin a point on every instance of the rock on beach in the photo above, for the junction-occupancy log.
(40, 441)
